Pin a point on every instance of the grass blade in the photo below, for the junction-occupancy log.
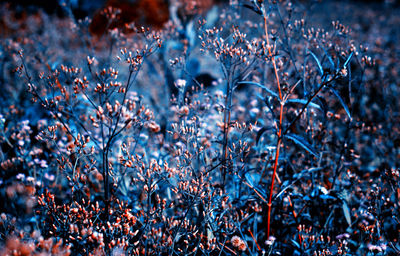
(341, 101)
(304, 102)
(348, 59)
(346, 212)
(261, 86)
(303, 143)
(316, 60)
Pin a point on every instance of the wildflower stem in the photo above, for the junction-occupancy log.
(279, 142)
(227, 121)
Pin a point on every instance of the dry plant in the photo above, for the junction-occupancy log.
(240, 129)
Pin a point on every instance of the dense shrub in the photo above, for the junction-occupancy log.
(254, 128)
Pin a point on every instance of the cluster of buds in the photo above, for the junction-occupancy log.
(11, 162)
(35, 245)
(80, 218)
(111, 13)
(78, 144)
(342, 29)
(72, 71)
(238, 243)
(135, 59)
(80, 84)
(239, 51)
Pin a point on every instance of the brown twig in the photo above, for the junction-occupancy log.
(255, 241)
